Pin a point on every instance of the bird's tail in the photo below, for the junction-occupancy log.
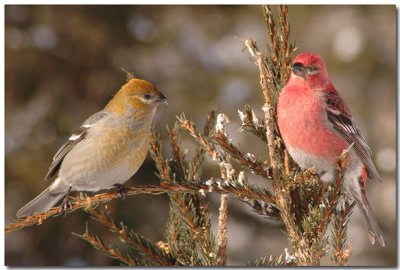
(41, 203)
(374, 232)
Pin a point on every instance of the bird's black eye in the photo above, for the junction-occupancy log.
(297, 65)
(147, 96)
(299, 69)
(312, 70)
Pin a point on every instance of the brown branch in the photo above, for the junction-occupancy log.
(199, 158)
(177, 153)
(301, 248)
(337, 192)
(111, 251)
(185, 212)
(251, 123)
(153, 252)
(270, 23)
(222, 141)
(286, 162)
(76, 203)
(254, 165)
(341, 251)
(156, 154)
(268, 106)
(287, 48)
(222, 236)
(202, 140)
(83, 201)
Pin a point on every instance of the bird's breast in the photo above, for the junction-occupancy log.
(303, 124)
(107, 156)
(128, 145)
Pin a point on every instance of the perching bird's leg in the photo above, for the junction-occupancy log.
(66, 204)
(321, 174)
(122, 190)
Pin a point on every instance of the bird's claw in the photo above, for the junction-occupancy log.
(66, 205)
(320, 174)
(122, 190)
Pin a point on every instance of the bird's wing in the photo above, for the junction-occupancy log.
(72, 141)
(340, 118)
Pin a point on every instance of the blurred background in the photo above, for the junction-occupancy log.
(63, 63)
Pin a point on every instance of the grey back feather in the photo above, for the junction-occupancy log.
(75, 138)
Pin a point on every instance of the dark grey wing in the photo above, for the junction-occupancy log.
(340, 118)
(72, 141)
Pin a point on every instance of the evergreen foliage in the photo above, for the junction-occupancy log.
(305, 205)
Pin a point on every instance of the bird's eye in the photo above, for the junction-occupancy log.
(147, 96)
(298, 69)
(297, 65)
(312, 70)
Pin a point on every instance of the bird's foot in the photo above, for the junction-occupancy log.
(122, 190)
(66, 205)
(320, 174)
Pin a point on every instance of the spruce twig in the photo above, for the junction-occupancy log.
(303, 224)
(188, 216)
(179, 157)
(156, 154)
(337, 192)
(108, 249)
(222, 235)
(207, 144)
(268, 106)
(199, 187)
(341, 249)
(251, 123)
(305, 205)
(196, 164)
(127, 236)
(247, 160)
(281, 260)
(201, 139)
(227, 173)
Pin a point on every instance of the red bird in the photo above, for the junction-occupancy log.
(316, 126)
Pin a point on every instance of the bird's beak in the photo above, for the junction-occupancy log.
(162, 99)
(299, 70)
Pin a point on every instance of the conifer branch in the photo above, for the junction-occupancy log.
(281, 260)
(227, 173)
(156, 154)
(127, 236)
(300, 207)
(222, 236)
(268, 106)
(268, 210)
(201, 139)
(179, 157)
(196, 164)
(272, 30)
(334, 196)
(108, 249)
(286, 160)
(188, 216)
(341, 249)
(247, 160)
(251, 123)
(199, 187)
(304, 203)
(288, 48)
(298, 243)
